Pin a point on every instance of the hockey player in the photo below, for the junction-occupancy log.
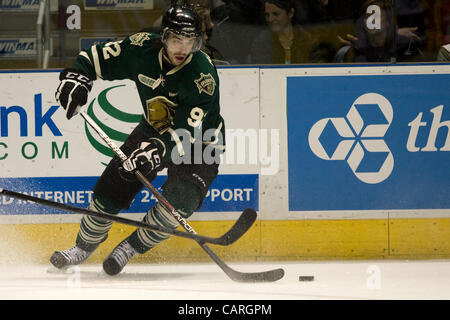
(179, 90)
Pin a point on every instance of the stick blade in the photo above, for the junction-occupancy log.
(265, 276)
(241, 226)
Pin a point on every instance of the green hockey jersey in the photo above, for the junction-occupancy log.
(181, 103)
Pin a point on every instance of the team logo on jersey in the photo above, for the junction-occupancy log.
(206, 84)
(150, 82)
(138, 39)
(160, 113)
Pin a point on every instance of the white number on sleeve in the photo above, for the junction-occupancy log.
(111, 49)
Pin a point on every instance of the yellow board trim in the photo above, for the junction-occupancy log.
(265, 241)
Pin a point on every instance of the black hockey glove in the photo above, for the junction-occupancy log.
(72, 92)
(146, 158)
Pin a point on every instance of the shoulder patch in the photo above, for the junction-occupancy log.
(138, 39)
(206, 84)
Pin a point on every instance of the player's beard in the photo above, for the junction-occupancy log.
(172, 59)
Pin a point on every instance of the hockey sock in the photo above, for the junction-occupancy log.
(143, 240)
(183, 196)
(94, 230)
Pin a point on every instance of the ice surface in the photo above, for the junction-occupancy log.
(333, 280)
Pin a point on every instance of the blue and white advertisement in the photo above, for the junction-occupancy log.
(25, 5)
(368, 142)
(18, 47)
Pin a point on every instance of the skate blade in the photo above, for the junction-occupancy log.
(65, 270)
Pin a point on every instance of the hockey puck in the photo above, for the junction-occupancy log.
(306, 278)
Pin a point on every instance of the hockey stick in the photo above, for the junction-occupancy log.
(244, 222)
(266, 276)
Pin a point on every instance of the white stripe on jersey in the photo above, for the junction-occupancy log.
(98, 70)
(85, 55)
(177, 140)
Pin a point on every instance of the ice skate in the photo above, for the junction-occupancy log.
(118, 258)
(69, 257)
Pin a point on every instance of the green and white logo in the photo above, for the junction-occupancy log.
(110, 123)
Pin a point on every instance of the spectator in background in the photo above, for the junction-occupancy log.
(410, 14)
(203, 9)
(236, 23)
(375, 44)
(389, 43)
(411, 27)
(282, 42)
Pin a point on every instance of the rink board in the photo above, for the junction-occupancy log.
(330, 175)
(266, 241)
